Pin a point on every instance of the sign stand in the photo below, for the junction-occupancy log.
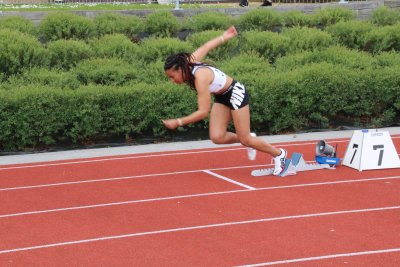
(370, 150)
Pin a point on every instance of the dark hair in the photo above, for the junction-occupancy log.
(183, 61)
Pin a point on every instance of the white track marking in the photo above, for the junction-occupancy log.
(133, 177)
(286, 144)
(147, 156)
(121, 203)
(192, 196)
(126, 177)
(228, 180)
(332, 256)
(111, 158)
(310, 215)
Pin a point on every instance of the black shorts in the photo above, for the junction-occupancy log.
(235, 97)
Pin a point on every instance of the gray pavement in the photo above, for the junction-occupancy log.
(164, 147)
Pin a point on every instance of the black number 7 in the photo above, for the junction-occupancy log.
(355, 151)
(376, 147)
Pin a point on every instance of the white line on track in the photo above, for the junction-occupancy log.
(228, 180)
(198, 227)
(193, 196)
(149, 156)
(127, 177)
(132, 177)
(324, 257)
(286, 144)
(119, 158)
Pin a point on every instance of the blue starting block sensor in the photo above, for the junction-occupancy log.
(327, 160)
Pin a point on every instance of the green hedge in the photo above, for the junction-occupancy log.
(113, 23)
(153, 49)
(66, 54)
(43, 76)
(296, 18)
(316, 95)
(335, 55)
(383, 16)
(382, 39)
(306, 39)
(352, 34)
(267, 44)
(85, 80)
(18, 23)
(64, 25)
(210, 20)
(162, 24)
(36, 115)
(331, 15)
(221, 52)
(260, 19)
(115, 45)
(105, 71)
(18, 51)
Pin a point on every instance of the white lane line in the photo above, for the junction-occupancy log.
(132, 177)
(127, 177)
(286, 144)
(197, 227)
(150, 156)
(228, 179)
(121, 203)
(119, 158)
(192, 196)
(324, 257)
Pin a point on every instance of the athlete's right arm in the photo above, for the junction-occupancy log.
(203, 79)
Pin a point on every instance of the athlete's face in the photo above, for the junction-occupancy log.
(175, 75)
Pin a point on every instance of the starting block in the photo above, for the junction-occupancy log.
(293, 165)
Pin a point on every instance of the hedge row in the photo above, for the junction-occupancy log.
(19, 51)
(65, 25)
(108, 81)
(33, 116)
(66, 39)
(317, 95)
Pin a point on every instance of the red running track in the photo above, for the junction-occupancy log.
(197, 208)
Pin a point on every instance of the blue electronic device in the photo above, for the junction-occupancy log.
(327, 160)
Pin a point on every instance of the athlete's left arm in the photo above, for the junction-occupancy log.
(203, 50)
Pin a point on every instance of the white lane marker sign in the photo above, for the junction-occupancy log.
(371, 150)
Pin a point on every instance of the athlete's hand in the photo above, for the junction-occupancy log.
(171, 124)
(230, 33)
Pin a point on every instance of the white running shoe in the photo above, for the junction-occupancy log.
(280, 162)
(251, 152)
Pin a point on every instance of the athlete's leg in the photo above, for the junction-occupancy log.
(241, 120)
(219, 119)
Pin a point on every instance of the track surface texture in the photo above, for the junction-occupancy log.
(198, 207)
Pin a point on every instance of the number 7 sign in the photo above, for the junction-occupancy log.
(371, 149)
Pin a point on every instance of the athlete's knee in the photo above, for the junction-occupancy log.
(217, 138)
(245, 140)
